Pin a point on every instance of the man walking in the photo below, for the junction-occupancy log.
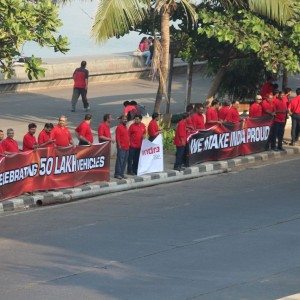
(122, 140)
(84, 131)
(80, 77)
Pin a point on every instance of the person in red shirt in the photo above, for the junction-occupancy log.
(223, 111)
(268, 109)
(29, 140)
(128, 106)
(137, 132)
(189, 121)
(281, 109)
(153, 128)
(233, 115)
(267, 88)
(9, 145)
(198, 117)
(122, 141)
(294, 111)
(180, 141)
(104, 134)
(1, 135)
(144, 48)
(212, 116)
(84, 131)
(60, 134)
(44, 139)
(80, 77)
(255, 110)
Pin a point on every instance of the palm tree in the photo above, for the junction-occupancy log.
(116, 17)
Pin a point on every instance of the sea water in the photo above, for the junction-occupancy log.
(77, 18)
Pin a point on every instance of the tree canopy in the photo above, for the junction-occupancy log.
(23, 21)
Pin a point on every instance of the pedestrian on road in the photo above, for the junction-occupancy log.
(180, 141)
(9, 145)
(153, 128)
(294, 111)
(122, 140)
(104, 134)
(84, 131)
(44, 139)
(61, 134)
(255, 110)
(29, 140)
(80, 77)
(137, 131)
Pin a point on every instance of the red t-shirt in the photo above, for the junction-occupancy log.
(266, 89)
(79, 76)
(61, 135)
(153, 128)
(285, 98)
(128, 108)
(122, 137)
(267, 106)
(10, 145)
(233, 115)
(223, 112)
(255, 110)
(103, 130)
(198, 121)
(295, 105)
(28, 142)
(211, 115)
(180, 134)
(280, 105)
(43, 138)
(84, 129)
(1, 148)
(136, 134)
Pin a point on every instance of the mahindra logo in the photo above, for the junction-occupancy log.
(151, 150)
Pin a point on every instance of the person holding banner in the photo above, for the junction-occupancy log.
(223, 111)
(180, 141)
(255, 110)
(268, 109)
(198, 117)
(9, 145)
(61, 134)
(84, 131)
(122, 141)
(212, 117)
(44, 139)
(29, 140)
(137, 132)
(153, 128)
(233, 115)
(104, 134)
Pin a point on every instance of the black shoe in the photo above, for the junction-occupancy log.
(273, 149)
(292, 144)
(177, 169)
(118, 177)
(280, 149)
(124, 177)
(130, 173)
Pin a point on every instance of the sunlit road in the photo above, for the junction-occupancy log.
(232, 236)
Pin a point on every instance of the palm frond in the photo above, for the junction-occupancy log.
(117, 17)
(278, 10)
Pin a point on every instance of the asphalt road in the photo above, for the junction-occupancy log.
(231, 236)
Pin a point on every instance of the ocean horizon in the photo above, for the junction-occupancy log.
(77, 17)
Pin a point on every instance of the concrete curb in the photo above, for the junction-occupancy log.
(92, 190)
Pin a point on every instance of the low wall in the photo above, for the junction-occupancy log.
(105, 68)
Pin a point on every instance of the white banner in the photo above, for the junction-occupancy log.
(151, 156)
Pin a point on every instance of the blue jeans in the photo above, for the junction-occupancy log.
(122, 157)
(147, 54)
(180, 153)
(133, 160)
(278, 133)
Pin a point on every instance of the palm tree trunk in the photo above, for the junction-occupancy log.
(284, 79)
(170, 79)
(164, 70)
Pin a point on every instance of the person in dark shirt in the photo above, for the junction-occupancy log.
(80, 77)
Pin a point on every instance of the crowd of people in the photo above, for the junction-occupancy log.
(270, 102)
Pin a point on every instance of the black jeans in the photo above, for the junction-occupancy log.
(133, 160)
(272, 139)
(122, 157)
(180, 154)
(295, 126)
(79, 92)
(278, 133)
